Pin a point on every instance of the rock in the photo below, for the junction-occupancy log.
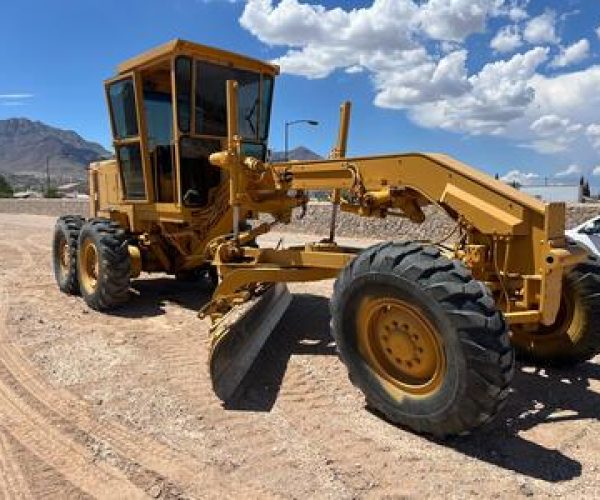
(436, 226)
(526, 490)
(155, 491)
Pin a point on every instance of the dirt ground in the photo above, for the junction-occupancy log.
(95, 405)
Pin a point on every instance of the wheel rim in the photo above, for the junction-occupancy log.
(401, 346)
(64, 256)
(89, 266)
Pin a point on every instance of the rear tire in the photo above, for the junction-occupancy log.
(104, 265)
(575, 335)
(450, 361)
(64, 252)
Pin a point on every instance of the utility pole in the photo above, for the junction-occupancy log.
(47, 174)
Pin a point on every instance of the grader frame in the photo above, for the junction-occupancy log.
(514, 243)
(509, 252)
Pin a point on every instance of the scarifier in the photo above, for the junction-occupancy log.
(428, 330)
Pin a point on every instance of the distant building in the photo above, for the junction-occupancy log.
(568, 194)
(27, 194)
(72, 190)
(77, 196)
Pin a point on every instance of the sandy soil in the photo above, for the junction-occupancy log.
(120, 406)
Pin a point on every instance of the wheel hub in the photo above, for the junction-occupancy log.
(90, 266)
(64, 255)
(401, 345)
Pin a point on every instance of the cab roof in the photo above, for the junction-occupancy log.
(180, 47)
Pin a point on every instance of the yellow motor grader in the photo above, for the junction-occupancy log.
(427, 330)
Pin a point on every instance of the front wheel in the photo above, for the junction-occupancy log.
(104, 265)
(422, 339)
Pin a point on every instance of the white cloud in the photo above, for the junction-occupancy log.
(298, 24)
(519, 177)
(415, 78)
(15, 96)
(515, 10)
(593, 134)
(354, 69)
(598, 31)
(572, 95)
(572, 54)
(455, 19)
(550, 146)
(555, 134)
(416, 58)
(499, 93)
(549, 125)
(323, 40)
(596, 171)
(15, 99)
(385, 39)
(517, 14)
(570, 171)
(541, 29)
(507, 39)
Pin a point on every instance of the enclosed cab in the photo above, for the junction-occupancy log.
(168, 113)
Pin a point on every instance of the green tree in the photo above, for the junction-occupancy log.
(6, 190)
(586, 189)
(52, 192)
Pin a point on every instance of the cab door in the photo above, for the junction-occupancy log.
(121, 96)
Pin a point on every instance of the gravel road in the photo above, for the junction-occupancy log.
(95, 405)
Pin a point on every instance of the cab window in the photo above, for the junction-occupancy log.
(198, 176)
(124, 119)
(130, 160)
(122, 105)
(158, 110)
(211, 100)
(183, 78)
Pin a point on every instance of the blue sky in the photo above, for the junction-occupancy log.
(509, 86)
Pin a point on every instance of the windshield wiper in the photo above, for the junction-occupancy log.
(249, 116)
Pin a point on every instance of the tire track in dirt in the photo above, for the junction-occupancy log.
(263, 441)
(63, 454)
(35, 432)
(257, 440)
(158, 460)
(260, 441)
(323, 408)
(249, 437)
(12, 481)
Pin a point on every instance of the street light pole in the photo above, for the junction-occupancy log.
(287, 133)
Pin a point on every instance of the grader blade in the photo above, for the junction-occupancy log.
(240, 335)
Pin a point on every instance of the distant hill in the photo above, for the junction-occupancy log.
(25, 145)
(299, 153)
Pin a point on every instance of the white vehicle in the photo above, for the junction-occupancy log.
(588, 234)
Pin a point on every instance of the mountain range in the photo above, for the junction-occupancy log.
(299, 153)
(26, 147)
